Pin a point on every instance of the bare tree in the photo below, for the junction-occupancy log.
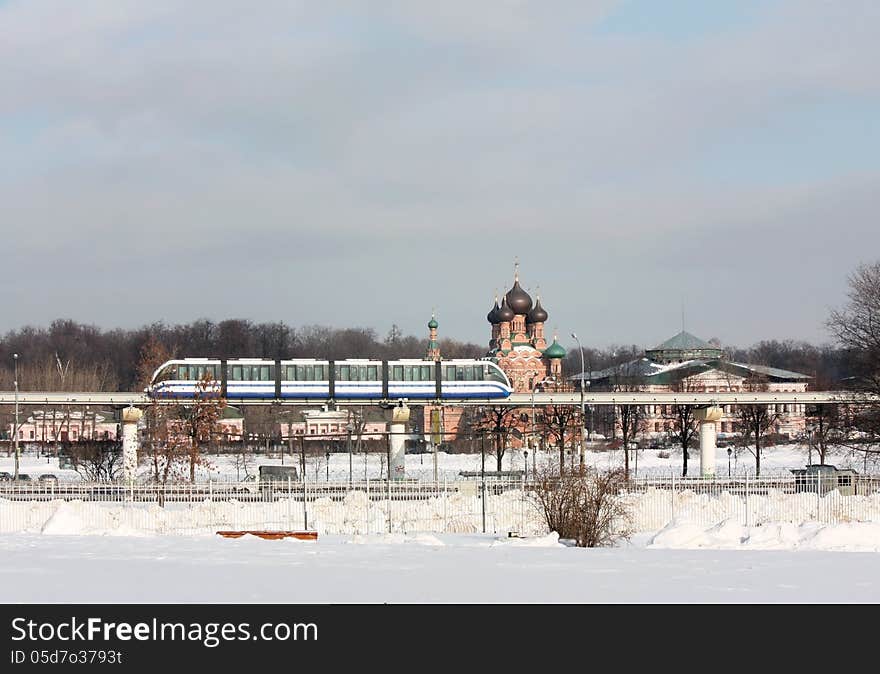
(857, 328)
(497, 422)
(683, 422)
(202, 418)
(94, 460)
(560, 424)
(631, 419)
(755, 420)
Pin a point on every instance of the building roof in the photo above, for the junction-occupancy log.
(773, 372)
(648, 371)
(683, 341)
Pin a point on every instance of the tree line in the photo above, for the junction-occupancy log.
(68, 355)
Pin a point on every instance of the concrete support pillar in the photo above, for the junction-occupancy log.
(397, 454)
(130, 418)
(707, 417)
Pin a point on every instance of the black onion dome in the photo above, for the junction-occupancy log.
(492, 316)
(518, 299)
(505, 313)
(537, 314)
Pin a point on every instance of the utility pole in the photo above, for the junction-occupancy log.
(583, 409)
(15, 425)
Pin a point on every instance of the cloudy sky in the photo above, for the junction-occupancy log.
(350, 163)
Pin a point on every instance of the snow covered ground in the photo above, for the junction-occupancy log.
(774, 460)
(428, 568)
(684, 561)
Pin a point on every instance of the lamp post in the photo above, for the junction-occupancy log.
(349, 427)
(729, 452)
(327, 457)
(15, 425)
(483, 476)
(809, 445)
(583, 409)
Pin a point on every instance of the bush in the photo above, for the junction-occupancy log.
(585, 506)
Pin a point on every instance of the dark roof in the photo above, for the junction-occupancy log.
(537, 314)
(518, 299)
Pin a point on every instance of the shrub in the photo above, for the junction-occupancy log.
(585, 506)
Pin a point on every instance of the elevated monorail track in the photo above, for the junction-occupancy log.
(112, 399)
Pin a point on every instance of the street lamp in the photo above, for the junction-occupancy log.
(349, 427)
(15, 426)
(810, 445)
(327, 457)
(729, 452)
(583, 409)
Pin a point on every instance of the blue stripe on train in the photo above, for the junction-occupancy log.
(359, 395)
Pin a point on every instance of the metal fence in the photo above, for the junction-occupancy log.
(371, 507)
(368, 507)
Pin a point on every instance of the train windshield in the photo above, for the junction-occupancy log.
(166, 373)
(494, 373)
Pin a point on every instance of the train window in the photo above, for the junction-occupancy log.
(235, 373)
(267, 372)
(397, 373)
(321, 372)
(478, 373)
(372, 373)
(426, 373)
(450, 373)
(343, 372)
(166, 373)
(496, 375)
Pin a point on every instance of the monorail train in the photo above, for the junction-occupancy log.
(351, 379)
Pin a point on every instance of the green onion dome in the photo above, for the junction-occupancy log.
(554, 350)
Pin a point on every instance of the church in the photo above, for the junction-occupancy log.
(517, 343)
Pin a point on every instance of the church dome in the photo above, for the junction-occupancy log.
(518, 299)
(537, 314)
(432, 324)
(492, 316)
(505, 313)
(555, 350)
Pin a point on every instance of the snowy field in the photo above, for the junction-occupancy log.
(681, 560)
(436, 569)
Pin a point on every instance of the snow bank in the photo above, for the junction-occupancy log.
(70, 520)
(730, 535)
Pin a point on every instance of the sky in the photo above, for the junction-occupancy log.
(360, 164)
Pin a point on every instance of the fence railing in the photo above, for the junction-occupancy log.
(378, 506)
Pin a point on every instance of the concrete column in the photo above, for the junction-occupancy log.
(397, 457)
(707, 417)
(130, 418)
